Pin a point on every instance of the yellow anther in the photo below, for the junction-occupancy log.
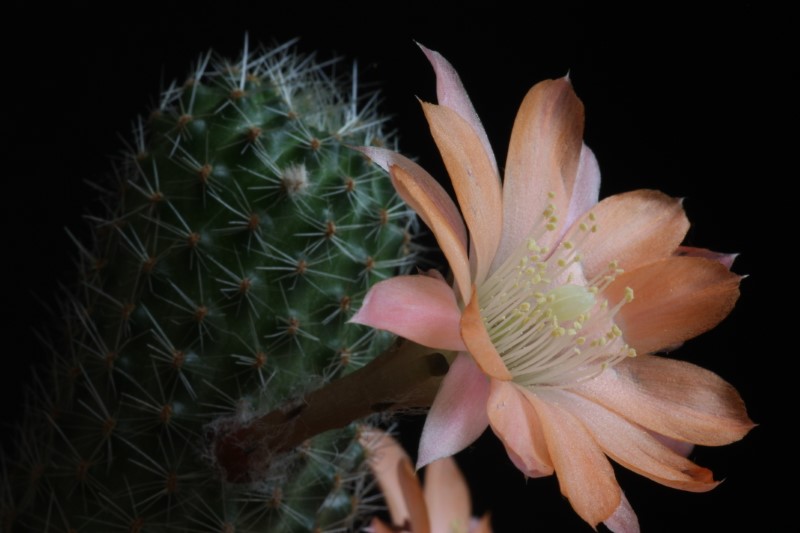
(567, 244)
(551, 195)
(550, 226)
(583, 227)
(616, 331)
(628, 295)
(562, 263)
(580, 341)
(592, 217)
(524, 307)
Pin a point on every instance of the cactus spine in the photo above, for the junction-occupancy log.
(241, 232)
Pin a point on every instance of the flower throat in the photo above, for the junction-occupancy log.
(548, 323)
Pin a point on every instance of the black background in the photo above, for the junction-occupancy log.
(687, 101)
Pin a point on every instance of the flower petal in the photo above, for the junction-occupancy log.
(633, 228)
(376, 526)
(481, 526)
(675, 398)
(634, 447)
(420, 308)
(417, 509)
(432, 203)
(624, 519)
(458, 414)
(725, 259)
(515, 422)
(587, 187)
(475, 181)
(447, 496)
(675, 299)
(543, 158)
(384, 455)
(480, 346)
(450, 93)
(584, 474)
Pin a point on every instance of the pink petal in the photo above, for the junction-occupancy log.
(586, 190)
(432, 203)
(420, 308)
(450, 93)
(677, 399)
(475, 181)
(584, 474)
(680, 447)
(633, 228)
(634, 447)
(624, 519)
(446, 496)
(675, 299)
(543, 157)
(723, 258)
(515, 422)
(458, 414)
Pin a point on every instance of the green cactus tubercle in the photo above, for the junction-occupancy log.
(241, 233)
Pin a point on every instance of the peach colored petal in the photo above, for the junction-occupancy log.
(634, 228)
(415, 500)
(450, 93)
(420, 308)
(675, 299)
(587, 187)
(447, 496)
(632, 446)
(475, 181)
(376, 526)
(624, 519)
(515, 422)
(458, 414)
(432, 203)
(584, 474)
(674, 398)
(725, 259)
(384, 455)
(478, 342)
(543, 157)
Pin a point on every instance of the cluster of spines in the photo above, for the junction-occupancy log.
(242, 233)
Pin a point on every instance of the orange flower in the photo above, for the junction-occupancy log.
(554, 296)
(444, 505)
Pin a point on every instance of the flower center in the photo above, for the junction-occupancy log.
(549, 324)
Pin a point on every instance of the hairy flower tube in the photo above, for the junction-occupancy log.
(557, 303)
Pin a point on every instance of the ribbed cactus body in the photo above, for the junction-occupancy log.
(240, 234)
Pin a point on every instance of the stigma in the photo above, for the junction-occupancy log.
(550, 325)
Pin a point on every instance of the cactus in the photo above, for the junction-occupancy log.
(241, 231)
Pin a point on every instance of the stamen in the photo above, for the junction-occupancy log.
(552, 328)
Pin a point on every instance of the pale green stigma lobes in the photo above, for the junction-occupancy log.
(550, 325)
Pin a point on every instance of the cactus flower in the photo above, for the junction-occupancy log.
(557, 303)
(443, 506)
